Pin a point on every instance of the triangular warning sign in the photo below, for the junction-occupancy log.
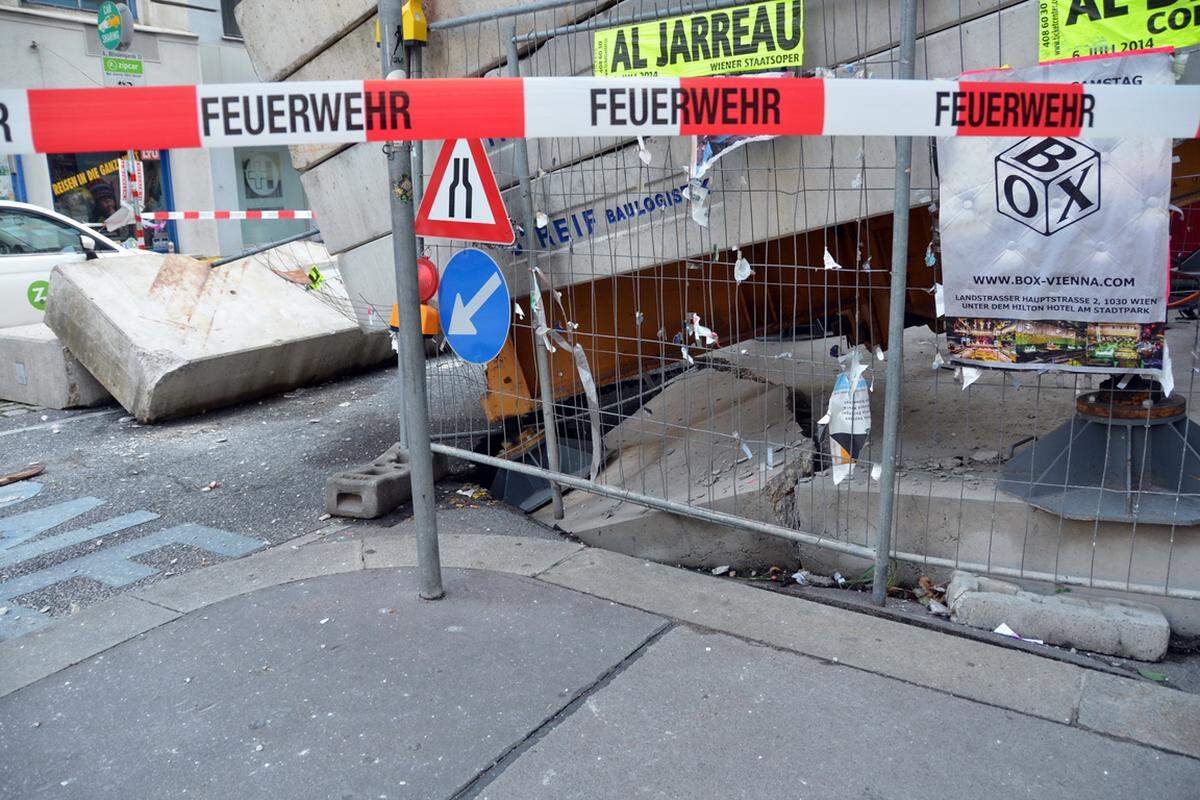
(462, 200)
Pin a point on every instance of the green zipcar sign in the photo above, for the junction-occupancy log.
(125, 65)
(37, 294)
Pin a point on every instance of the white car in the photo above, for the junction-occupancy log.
(33, 240)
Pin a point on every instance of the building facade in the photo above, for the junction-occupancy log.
(54, 44)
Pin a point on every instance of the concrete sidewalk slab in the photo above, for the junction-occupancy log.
(1141, 712)
(997, 676)
(974, 670)
(76, 638)
(339, 686)
(708, 716)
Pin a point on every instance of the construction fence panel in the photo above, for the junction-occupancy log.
(698, 299)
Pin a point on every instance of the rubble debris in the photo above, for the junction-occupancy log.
(806, 578)
(721, 570)
(472, 491)
(680, 449)
(938, 609)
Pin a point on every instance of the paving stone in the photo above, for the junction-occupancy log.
(970, 669)
(708, 716)
(338, 686)
(73, 639)
(1142, 712)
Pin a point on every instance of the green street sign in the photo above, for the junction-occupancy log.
(37, 294)
(114, 25)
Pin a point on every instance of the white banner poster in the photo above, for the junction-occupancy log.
(1055, 248)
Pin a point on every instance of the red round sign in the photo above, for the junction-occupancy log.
(427, 278)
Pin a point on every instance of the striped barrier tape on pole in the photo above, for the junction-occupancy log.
(160, 216)
(337, 112)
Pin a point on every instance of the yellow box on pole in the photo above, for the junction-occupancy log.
(414, 28)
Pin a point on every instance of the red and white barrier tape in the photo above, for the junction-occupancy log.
(334, 112)
(159, 216)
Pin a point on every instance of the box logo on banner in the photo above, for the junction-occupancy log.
(1048, 183)
(1055, 248)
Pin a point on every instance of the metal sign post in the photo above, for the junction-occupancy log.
(895, 350)
(542, 311)
(414, 441)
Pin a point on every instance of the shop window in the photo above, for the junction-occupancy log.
(80, 5)
(229, 20)
(8, 178)
(87, 186)
(267, 182)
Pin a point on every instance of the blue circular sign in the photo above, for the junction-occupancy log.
(475, 306)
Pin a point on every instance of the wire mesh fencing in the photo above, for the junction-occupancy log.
(705, 314)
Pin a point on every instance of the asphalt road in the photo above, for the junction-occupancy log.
(122, 504)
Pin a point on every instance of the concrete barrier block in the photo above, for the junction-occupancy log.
(368, 492)
(349, 193)
(281, 35)
(352, 57)
(171, 337)
(1114, 627)
(376, 489)
(36, 368)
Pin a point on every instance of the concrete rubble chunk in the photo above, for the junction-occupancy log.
(36, 368)
(171, 336)
(702, 441)
(1114, 627)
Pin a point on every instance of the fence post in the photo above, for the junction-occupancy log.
(895, 348)
(411, 349)
(529, 222)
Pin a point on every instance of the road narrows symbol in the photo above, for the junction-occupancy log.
(462, 177)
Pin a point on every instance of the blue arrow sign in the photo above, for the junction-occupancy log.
(474, 305)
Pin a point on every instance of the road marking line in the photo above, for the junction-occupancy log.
(60, 422)
(18, 493)
(71, 538)
(111, 566)
(16, 529)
